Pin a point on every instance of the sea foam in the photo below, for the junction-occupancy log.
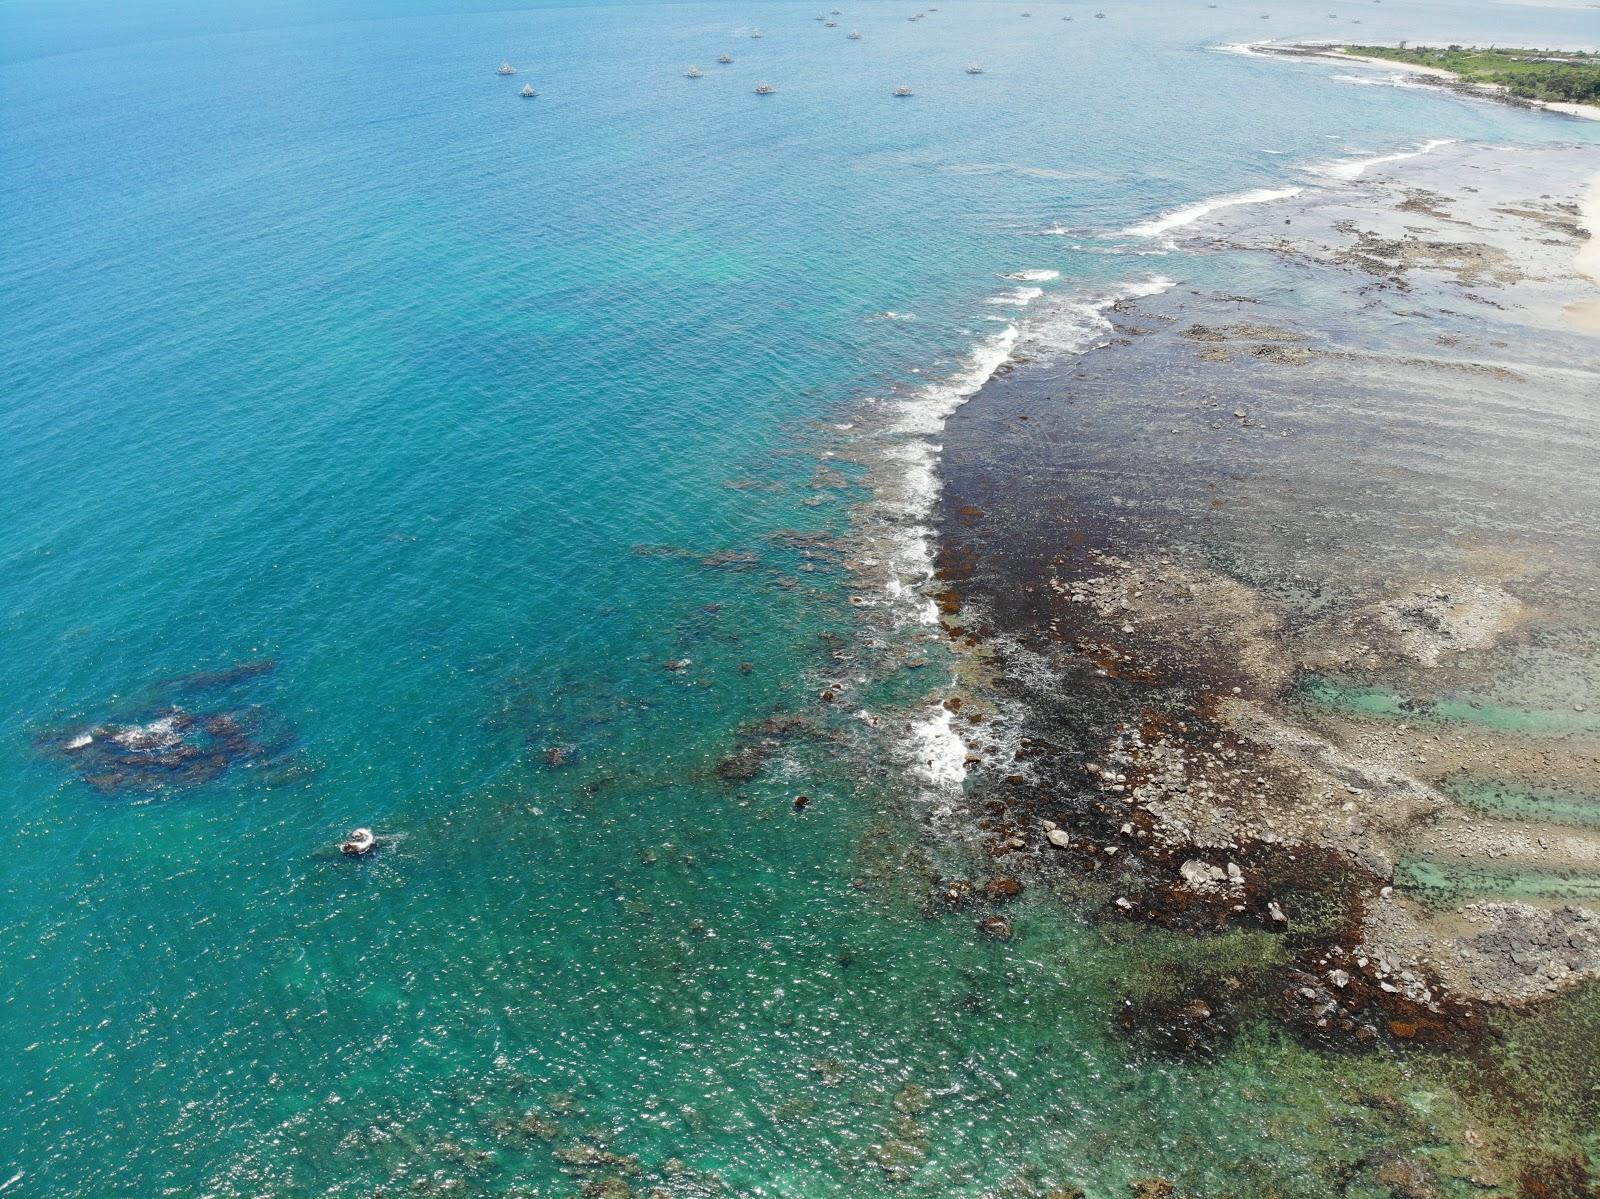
(1354, 168)
(1190, 213)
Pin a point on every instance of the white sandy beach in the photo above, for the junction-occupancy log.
(1586, 313)
(1333, 53)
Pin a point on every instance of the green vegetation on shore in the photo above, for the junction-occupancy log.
(1571, 77)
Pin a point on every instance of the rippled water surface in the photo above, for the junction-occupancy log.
(383, 448)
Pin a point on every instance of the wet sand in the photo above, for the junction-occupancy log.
(1586, 313)
(1290, 593)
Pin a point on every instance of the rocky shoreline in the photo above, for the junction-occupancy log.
(1269, 581)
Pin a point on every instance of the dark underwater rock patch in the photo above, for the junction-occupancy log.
(189, 731)
(758, 742)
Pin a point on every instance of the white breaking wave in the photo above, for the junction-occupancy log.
(910, 490)
(913, 454)
(939, 751)
(919, 418)
(1191, 213)
(1384, 81)
(1033, 276)
(1020, 298)
(1248, 49)
(1077, 326)
(1356, 167)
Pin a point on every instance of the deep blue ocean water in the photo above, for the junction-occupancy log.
(460, 416)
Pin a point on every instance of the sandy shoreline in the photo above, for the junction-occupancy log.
(1585, 314)
(1330, 52)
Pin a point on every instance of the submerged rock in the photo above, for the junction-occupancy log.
(997, 927)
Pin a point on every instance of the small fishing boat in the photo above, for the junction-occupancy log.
(974, 69)
(724, 59)
(830, 24)
(757, 33)
(528, 91)
(505, 68)
(360, 842)
(765, 89)
(693, 73)
(1099, 16)
(854, 35)
(902, 90)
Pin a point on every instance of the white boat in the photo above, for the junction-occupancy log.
(505, 68)
(360, 841)
(902, 90)
(724, 59)
(757, 33)
(854, 35)
(528, 91)
(765, 89)
(693, 73)
(974, 69)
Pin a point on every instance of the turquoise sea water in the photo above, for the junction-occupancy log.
(468, 414)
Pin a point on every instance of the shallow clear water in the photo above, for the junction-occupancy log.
(469, 413)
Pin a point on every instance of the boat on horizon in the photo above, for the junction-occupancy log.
(902, 91)
(528, 91)
(693, 73)
(724, 59)
(505, 68)
(765, 89)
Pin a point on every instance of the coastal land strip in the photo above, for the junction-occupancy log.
(1279, 611)
(1423, 73)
